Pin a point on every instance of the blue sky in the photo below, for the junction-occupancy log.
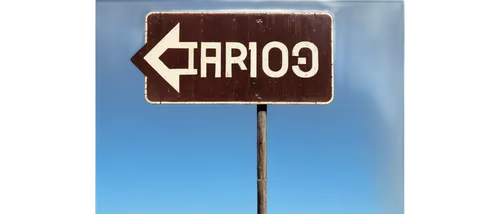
(345, 157)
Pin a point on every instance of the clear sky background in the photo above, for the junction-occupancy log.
(345, 157)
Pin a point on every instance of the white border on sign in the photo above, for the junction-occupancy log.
(332, 17)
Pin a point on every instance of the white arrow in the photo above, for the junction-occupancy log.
(171, 40)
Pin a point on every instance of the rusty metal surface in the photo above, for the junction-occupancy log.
(261, 28)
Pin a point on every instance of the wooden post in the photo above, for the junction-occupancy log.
(261, 160)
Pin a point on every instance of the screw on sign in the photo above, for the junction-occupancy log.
(247, 58)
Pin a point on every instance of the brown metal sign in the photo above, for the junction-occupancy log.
(239, 58)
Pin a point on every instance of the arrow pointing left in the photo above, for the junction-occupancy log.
(171, 41)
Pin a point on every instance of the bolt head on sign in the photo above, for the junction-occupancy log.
(238, 58)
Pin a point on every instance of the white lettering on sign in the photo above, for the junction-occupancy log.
(284, 59)
(253, 59)
(301, 60)
(171, 40)
(210, 60)
(230, 59)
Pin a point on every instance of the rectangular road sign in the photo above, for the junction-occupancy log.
(238, 58)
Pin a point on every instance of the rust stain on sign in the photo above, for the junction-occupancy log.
(239, 58)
